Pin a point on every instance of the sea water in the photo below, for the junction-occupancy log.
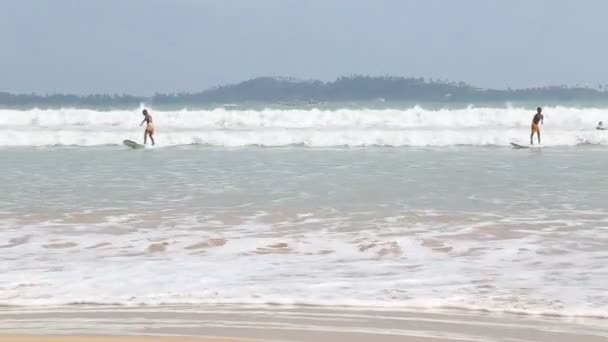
(313, 127)
(402, 209)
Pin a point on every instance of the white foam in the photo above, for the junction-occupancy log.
(416, 126)
(320, 267)
(399, 229)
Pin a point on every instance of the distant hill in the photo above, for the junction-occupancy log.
(272, 90)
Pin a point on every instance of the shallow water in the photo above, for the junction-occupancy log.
(473, 228)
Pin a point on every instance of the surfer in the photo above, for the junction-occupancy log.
(149, 132)
(537, 120)
(600, 126)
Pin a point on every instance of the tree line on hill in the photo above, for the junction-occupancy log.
(270, 90)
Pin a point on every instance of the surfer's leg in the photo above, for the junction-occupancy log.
(532, 138)
(151, 138)
(145, 136)
(538, 134)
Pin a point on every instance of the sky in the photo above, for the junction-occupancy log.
(142, 47)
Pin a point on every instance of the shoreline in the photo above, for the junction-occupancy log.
(226, 323)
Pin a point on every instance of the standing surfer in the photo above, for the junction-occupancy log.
(537, 120)
(149, 132)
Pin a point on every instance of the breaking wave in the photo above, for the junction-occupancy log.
(416, 126)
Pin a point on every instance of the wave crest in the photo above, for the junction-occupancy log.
(416, 126)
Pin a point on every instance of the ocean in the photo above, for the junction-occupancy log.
(400, 209)
(326, 126)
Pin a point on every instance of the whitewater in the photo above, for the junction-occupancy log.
(441, 224)
(467, 228)
(319, 127)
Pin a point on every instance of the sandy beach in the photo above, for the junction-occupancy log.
(31, 338)
(299, 324)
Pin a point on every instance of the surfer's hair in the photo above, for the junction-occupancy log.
(145, 111)
(539, 109)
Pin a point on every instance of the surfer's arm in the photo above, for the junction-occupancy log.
(144, 120)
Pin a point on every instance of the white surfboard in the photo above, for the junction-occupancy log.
(132, 144)
(518, 146)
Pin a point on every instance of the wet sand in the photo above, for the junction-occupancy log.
(298, 324)
(31, 338)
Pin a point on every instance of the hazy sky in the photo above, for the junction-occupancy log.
(147, 46)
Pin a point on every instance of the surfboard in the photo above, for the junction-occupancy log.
(518, 145)
(132, 144)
